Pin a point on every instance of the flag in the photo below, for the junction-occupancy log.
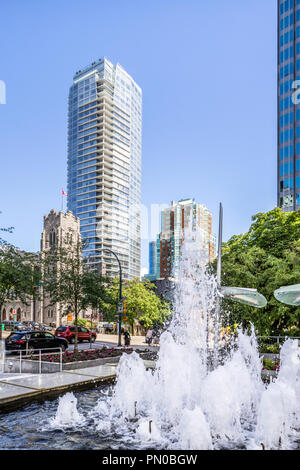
(64, 193)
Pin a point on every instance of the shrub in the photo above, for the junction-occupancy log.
(269, 348)
(268, 364)
(85, 355)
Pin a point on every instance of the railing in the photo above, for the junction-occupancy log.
(278, 338)
(25, 355)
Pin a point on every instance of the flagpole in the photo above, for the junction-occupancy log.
(62, 201)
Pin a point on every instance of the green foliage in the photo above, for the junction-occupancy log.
(141, 303)
(269, 348)
(268, 364)
(265, 258)
(70, 281)
(144, 305)
(18, 275)
(109, 303)
(82, 322)
(86, 323)
(7, 230)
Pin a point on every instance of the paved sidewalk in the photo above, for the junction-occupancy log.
(15, 390)
(113, 339)
(21, 388)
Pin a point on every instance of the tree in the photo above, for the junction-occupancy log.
(141, 303)
(18, 276)
(68, 280)
(109, 304)
(265, 258)
(7, 230)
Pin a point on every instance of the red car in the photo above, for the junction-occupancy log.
(68, 332)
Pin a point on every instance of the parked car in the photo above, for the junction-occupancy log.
(68, 332)
(11, 325)
(44, 327)
(31, 340)
(8, 324)
(31, 325)
(18, 326)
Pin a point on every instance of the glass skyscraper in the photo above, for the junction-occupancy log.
(104, 165)
(288, 180)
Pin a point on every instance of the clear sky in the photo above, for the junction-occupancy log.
(207, 69)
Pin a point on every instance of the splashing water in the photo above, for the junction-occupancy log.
(67, 415)
(188, 402)
(279, 407)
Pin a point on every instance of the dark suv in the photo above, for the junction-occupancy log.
(68, 332)
(32, 340)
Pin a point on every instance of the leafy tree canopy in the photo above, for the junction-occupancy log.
(19, 274)
(142, 303)
(265, 258)
(69, 280)
(7, 230)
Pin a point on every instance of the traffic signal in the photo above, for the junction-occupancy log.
(124, 306)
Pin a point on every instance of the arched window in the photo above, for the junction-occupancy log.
(52, 238)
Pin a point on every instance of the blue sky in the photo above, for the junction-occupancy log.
(208, 74)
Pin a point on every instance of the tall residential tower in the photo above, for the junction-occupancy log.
(288, 158)
(104, 164)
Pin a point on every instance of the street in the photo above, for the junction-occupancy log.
(136, 342)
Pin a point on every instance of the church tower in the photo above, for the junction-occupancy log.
(58, 229)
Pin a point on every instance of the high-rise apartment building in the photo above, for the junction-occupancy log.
(288, 159)
(152, 275)
(152, 258)
(174, 221)
(104, 164)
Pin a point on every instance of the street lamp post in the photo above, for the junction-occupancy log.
(218, 300)
(120, 295)
(237, 294)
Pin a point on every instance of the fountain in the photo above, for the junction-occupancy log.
(191, 401)
(67, 415)
(202, 394)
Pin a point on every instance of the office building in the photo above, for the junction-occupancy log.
(288, 158)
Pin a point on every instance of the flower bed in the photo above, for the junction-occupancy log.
(268, 364)
(85, 355)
